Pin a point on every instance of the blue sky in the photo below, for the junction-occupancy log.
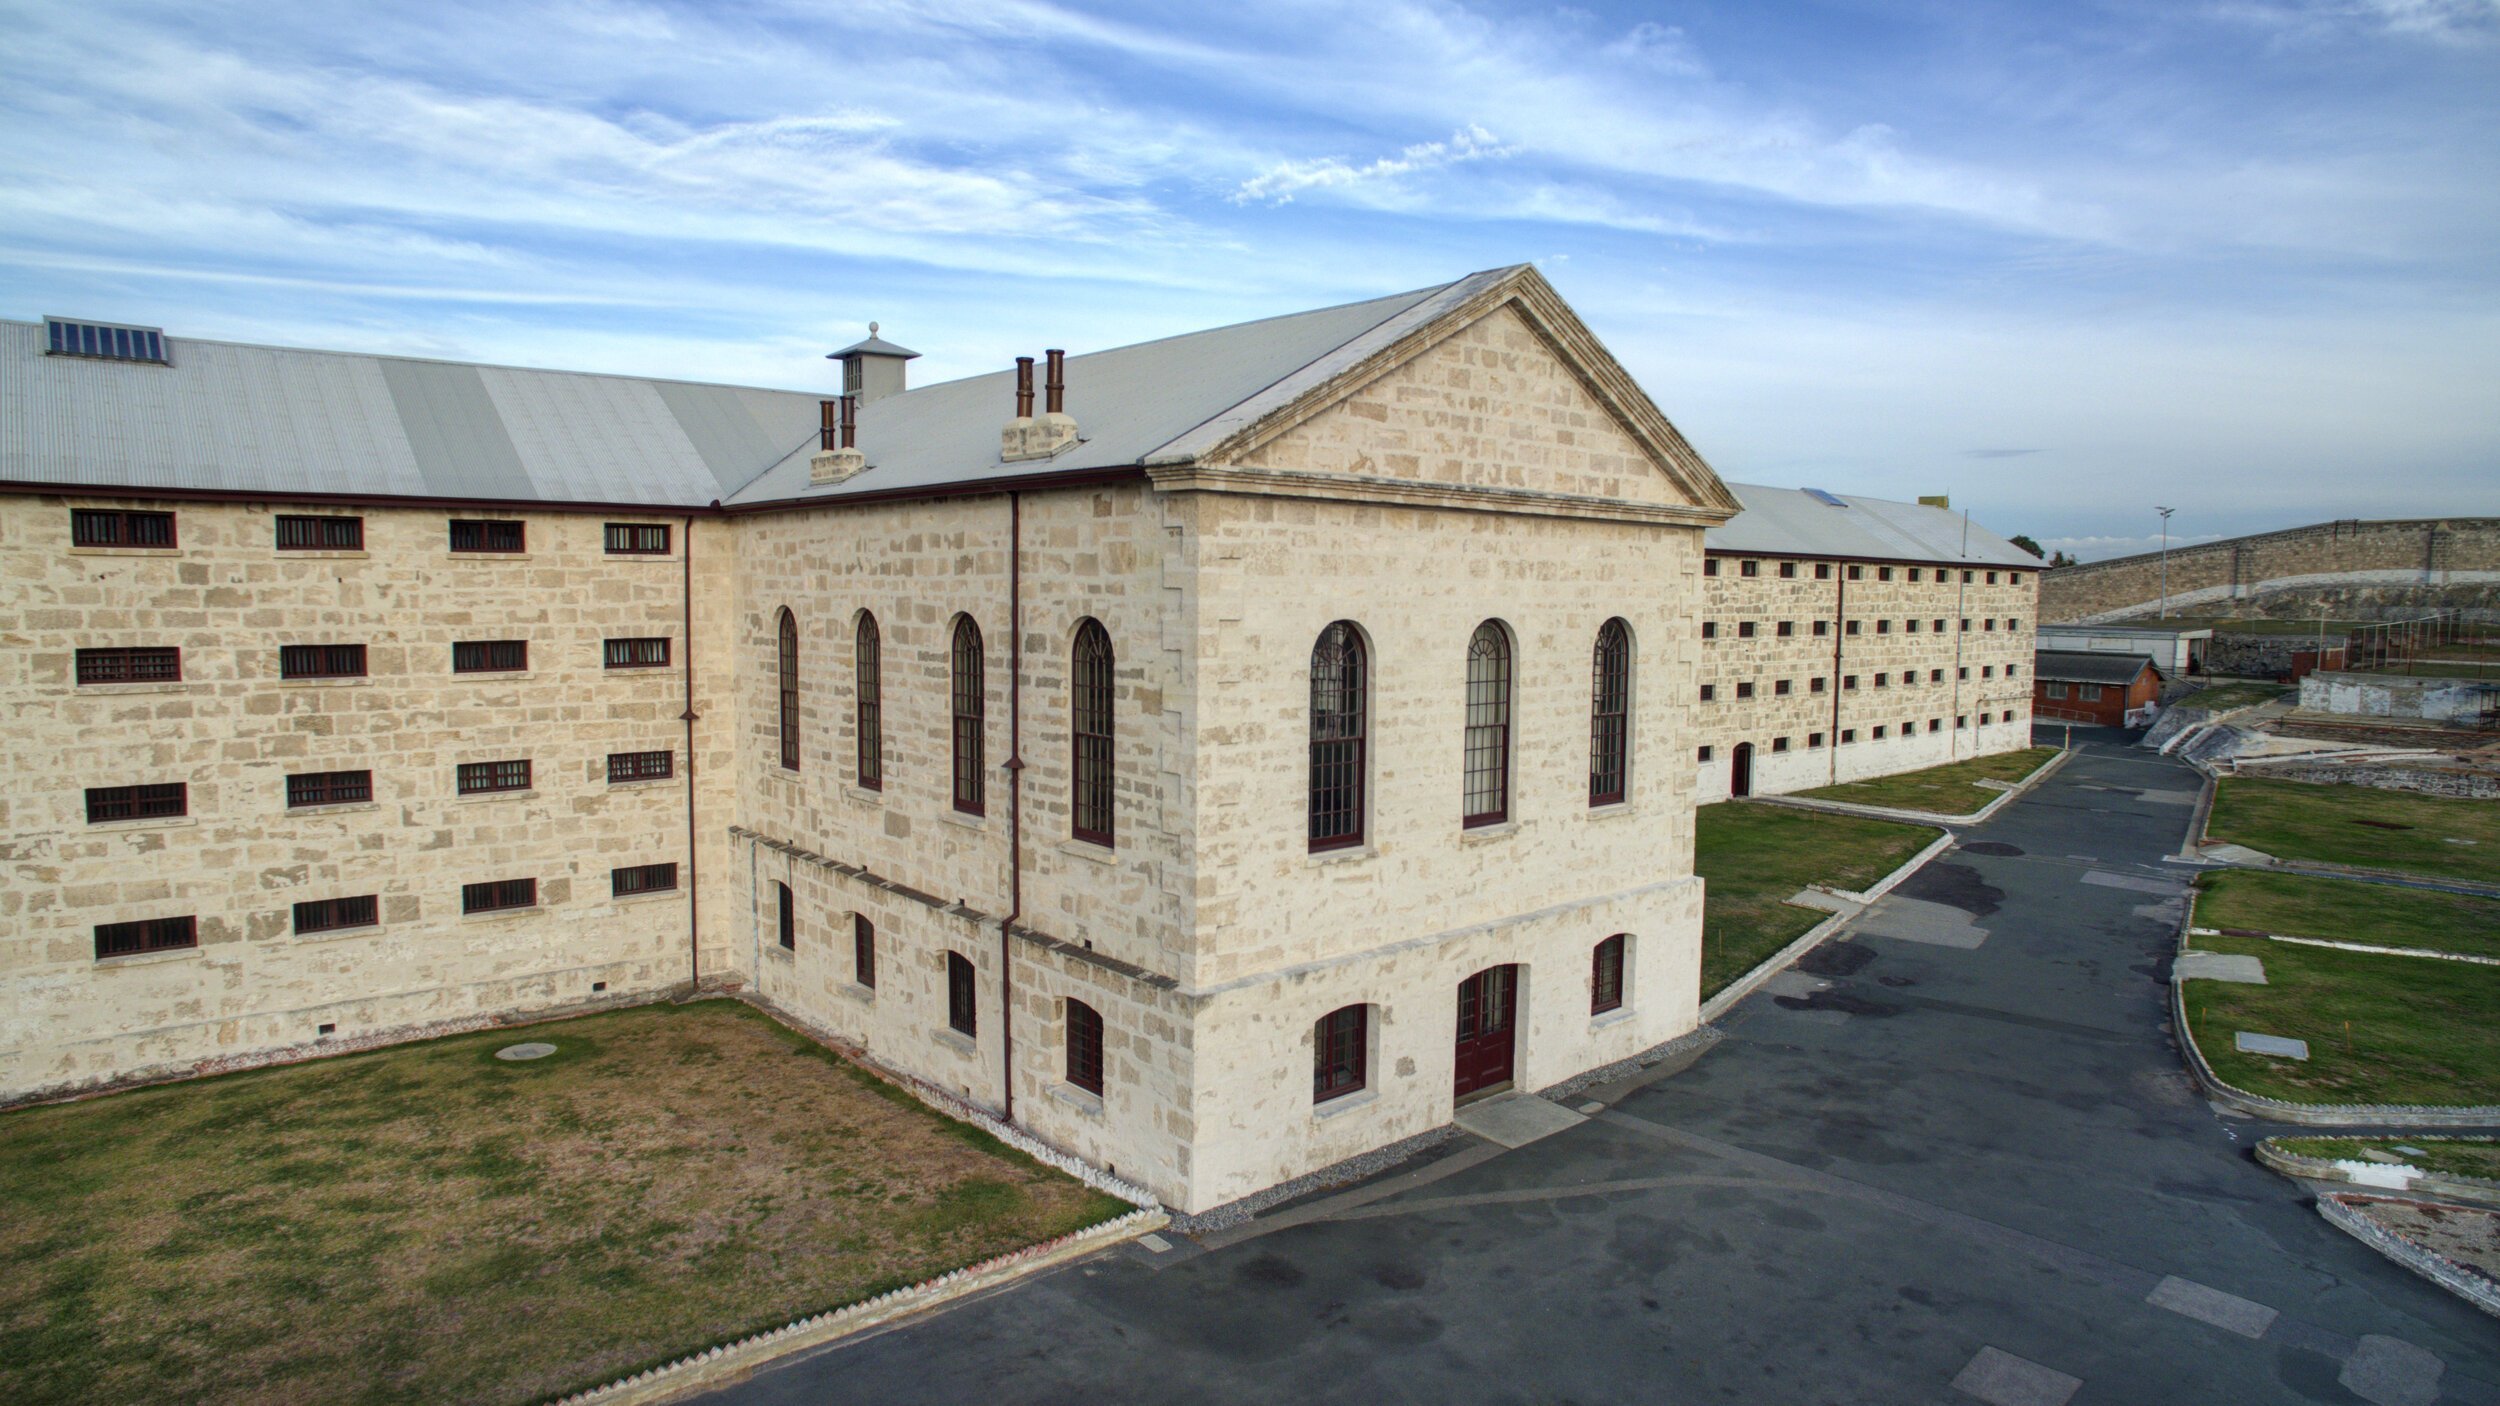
(2062, 261)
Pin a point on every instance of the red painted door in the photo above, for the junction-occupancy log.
(1487, 1007)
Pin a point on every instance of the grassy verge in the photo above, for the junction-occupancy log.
(2449, 1156)
(1755, 856)
(2380, 1029)
(2221, 698)
(2430, 835)
(1951, 789)
(2347, 910)
(428, 1224)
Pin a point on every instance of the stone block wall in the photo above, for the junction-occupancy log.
(2236, 576)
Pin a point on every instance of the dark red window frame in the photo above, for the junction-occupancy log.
(642, 878)
(334, 914)
(1485, 743)
(146, 664)
(637, 539)
(864, 951)
(489, 535)
(1610, 714)
(1090, 727)
(645, 652)
(146, 935)
(1084, 1047)
(321, 661)
(487, 778)
(970, 706)
(490, 656)
(787, 918)
(868, 701)
(963, 1014)
(304, 533)
(1606, 976)
(498, 895)
(788, 660)
(154, 801)
(1338, 741)
(122, 527)
(1340, 1053)
(328, 788)
(641, 766)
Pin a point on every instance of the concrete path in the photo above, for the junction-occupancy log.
(1941, 1171)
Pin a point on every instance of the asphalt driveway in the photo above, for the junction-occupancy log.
(1952, 1158)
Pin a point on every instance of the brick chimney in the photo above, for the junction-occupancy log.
(1045, 436)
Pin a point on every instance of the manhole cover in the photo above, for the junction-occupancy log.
(535, 1049)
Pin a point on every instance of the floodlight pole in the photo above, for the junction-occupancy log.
(2165, 560)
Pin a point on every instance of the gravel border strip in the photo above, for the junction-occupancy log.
(2465, 1283)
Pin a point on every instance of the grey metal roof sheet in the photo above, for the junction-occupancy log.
(1793, 520)
(2078, 666)
(873, 345)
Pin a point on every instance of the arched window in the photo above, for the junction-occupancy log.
(1488, 727)
(1337, 760)
(961, 1015)
(1340, 1053)
(1090, 723)
(968, 713)
(789, 690)
(1084, 1047)
(1610, 714)
(1606, 976)
(868, 702)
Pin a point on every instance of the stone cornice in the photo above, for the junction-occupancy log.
(1410, 493)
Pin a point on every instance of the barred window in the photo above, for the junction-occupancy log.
(321, 661)
(478, 778)
(1813, 740)
(1788, 570)
(786, 916)
(641, 878)
(1745, 689)
(1091, 725)
(1339, 1057)
(1749, 567)
(1606, 976)
(499, 894)
(788, 671)
(1779, 744)
(1610, 711)
(962, 1016)
(644, 653)
(332, 914)
(1488, 727)
(320, 534)
(113, 527)
(487, 535)
(641, 766)
(1781, 688)
(153, 802)
(489, 656)
(637, 539)
(1084, 1047)
(146, 935)
(129, 666)
(863, 951)
(328, 788)
(868, 702)
(1822, 571)
(969, 709)
(1337, 738)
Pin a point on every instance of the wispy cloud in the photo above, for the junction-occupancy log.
(1279, 183)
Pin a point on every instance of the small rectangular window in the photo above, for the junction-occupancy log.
(1822, 629)
(1815, 685)
(320, 534)
(499, 894)
(1961, 721)
(1779, 744)
(1856, 572)
(2090, 693)
(1822, 571)
(641, 766)
(1706, 752)
(487, 535)
(1965, 578)
(480, 778)
(1749, 567)
(1786, 629)
(114, 527)
(2013, 622)
(786, 916)
(2055, 690)
(489, 656)
(1879, 732)
(1883, 573)
(2012, 669)
(105, 341)
(962, 1015)
(1340, 1053)
(1744, 690)
(1961, 673)
(1992, 578)
(1813, 740)
(1883, 627)
(1781, 688)
(1987, 671)
(1851, 628)
(1744, 629)
(1788, 570)
(641, 878)
(146, 935)
(152, 802)
(646, 653)
(1935, 724)
(637, 539)
(1848, 734)
(1709, 566)
(1989, 624)
(328, 788)
(1966, 624)
(1883, 680)
(2014, 578)
(1911, 626)
(129, 666)
(1710, 629)
(1914, 574)
(1848, 683)
(863, 951)
(1938, 627)
(1709, 691)
(332, 914)
(1935, 676)
(321, 661)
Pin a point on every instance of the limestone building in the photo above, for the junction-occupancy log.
(1218, 769)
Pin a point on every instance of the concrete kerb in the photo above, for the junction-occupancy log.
(2388, 1177)
(2341, 1211)
(1743, 986)
(1925, 817)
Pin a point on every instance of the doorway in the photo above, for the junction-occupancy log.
(1487, 1015)
(1740, 771)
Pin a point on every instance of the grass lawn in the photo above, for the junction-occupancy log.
(1951, 789)
(2421, 1031)
(2347, 910)
(2431, 835)
(2451, 1156)
(1755, 856)
(2222, 697)
(428, 1224)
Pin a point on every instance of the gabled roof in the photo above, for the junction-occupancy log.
(2076, 666)
(1810, 522)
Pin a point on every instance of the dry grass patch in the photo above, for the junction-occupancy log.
(428, 1224)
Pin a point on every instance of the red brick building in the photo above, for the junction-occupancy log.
(2106, 689)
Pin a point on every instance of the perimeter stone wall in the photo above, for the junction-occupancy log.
(2279, 573)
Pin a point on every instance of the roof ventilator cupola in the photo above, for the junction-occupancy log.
(872, 369)
(837, 456)
(1045, 436)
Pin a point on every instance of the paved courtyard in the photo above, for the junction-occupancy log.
(1953, 1159)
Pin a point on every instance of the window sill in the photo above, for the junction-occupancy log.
(1088, 1104)
(147, 959)
(492, 675)
(496, 915)
(359, 681)
(124, 689)
(780, 953)
(953, 816)
(1487, 834)
(125, 551)
(652, 897)
(1347, 854)
(956, 1040)
(866, 995)
(486, 556)
(145, 822)
(1614, 810)
(1603, 1019)
(1345, 1103)
(655, 558)
(474, 798)
(335, 808)
(341, 934)
(644, 783)
(311, 554)
(864, 796)
(1088, 851)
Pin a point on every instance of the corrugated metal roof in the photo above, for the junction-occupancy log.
(2075, 666)
(1793, 520)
